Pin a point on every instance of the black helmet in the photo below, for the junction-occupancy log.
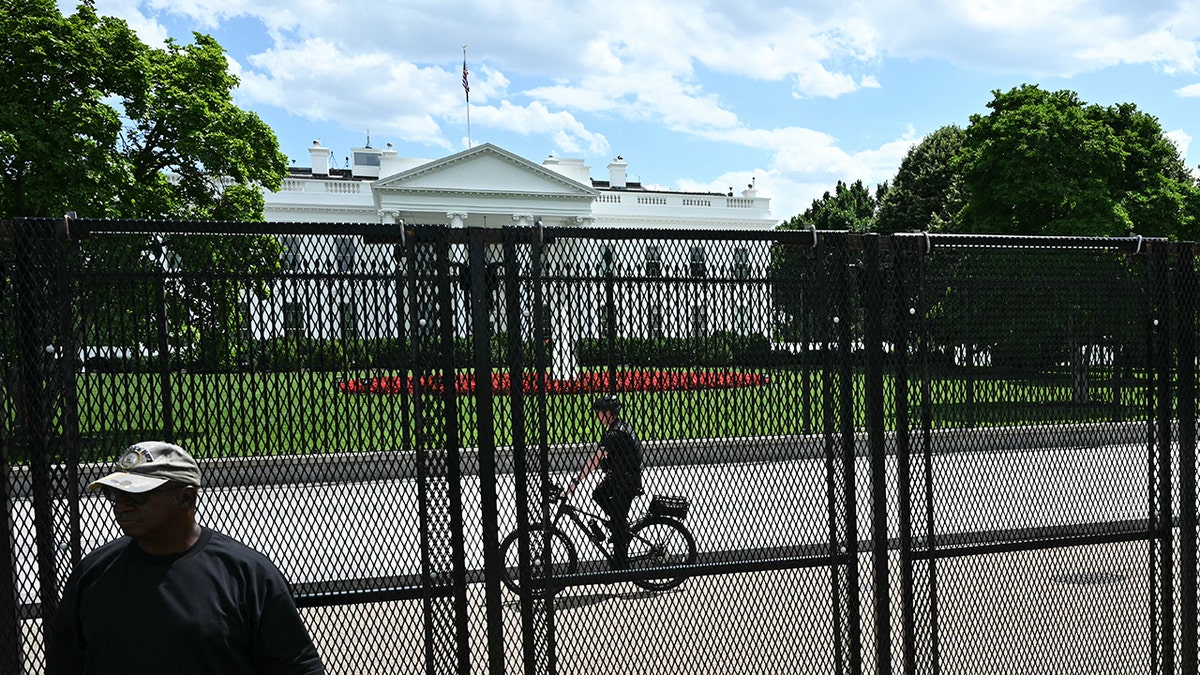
(608, 403)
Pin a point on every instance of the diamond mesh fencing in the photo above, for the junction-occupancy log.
(915, 454)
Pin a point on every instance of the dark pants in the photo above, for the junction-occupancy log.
(615, 500)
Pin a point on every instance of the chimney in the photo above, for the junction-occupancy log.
(570, 167)
(616, 173)
(750, 192)
(320, 159)
(389, 162)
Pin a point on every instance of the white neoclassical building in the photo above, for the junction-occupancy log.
(676, 291)
(487, 186)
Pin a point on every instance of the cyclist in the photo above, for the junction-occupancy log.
(619, 456)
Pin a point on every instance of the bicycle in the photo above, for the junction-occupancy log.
(658, 539)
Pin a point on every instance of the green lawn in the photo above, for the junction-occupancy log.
(300, 413)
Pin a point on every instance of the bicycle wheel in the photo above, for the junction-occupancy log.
(661, 542)
(564, 559)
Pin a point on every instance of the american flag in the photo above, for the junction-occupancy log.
(466, 87)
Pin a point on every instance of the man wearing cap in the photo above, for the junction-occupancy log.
(171, 595)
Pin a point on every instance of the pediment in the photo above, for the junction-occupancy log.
(484, 170)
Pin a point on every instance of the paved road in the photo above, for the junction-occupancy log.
(997, 615)
(1084, 609)
(369, 530)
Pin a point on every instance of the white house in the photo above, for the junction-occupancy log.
(489, 187)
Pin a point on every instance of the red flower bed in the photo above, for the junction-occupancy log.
(626, 380)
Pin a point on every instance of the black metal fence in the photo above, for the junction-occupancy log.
(916, 454)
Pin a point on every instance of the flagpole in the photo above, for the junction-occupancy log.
(467, 93)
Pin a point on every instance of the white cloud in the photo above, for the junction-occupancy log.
(148, 30)
(364, 90)
(1043, 37)
(573, 73)
(804, 165)
(569, 134)
(817, 81)
(1190, 91)
(1183, 141)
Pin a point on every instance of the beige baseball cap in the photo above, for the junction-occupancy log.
(151, 464)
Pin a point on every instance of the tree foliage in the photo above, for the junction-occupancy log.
(850, 207)
(926, 194)
(59, 134)
(96, 122)
(1046, 163)
(185, 132)
(795, 270)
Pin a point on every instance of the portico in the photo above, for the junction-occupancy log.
(489, 187)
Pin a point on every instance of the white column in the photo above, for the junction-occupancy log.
(457, 218)
(389, 217)
(564, 318)
(585, 221)
(523, 219)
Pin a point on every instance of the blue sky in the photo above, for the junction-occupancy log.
(697, 96)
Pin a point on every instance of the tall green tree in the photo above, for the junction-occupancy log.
(795, 272)
(926, 194)
(1155, 189)
(1047, 163)
(851, 207)
(190, 151)
(96, 122)
(58, 134)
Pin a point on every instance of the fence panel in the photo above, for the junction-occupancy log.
(1041, 521)
(902, 454)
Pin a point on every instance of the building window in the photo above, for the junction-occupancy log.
(348, 320)
(741, 320)
(653, 261)
(699, 320)
(698, 268)
(293, 319)
(654, 322)
(347, 251)
(741, 263)
(245, 327)
(425, 259)
(291, 259)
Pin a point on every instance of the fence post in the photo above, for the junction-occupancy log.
(838, 411)
(1185, 294)
(1161, 521)
(484, 417)
(873, 345)
(903, 257)
(608, 265)
(545, 661)
(70, 396)
(520, 448)
(10, 623)
(439, 475)
(164, 346)
(30, 287)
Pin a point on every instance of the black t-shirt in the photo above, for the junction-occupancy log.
(219, 607)
(623, 456)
